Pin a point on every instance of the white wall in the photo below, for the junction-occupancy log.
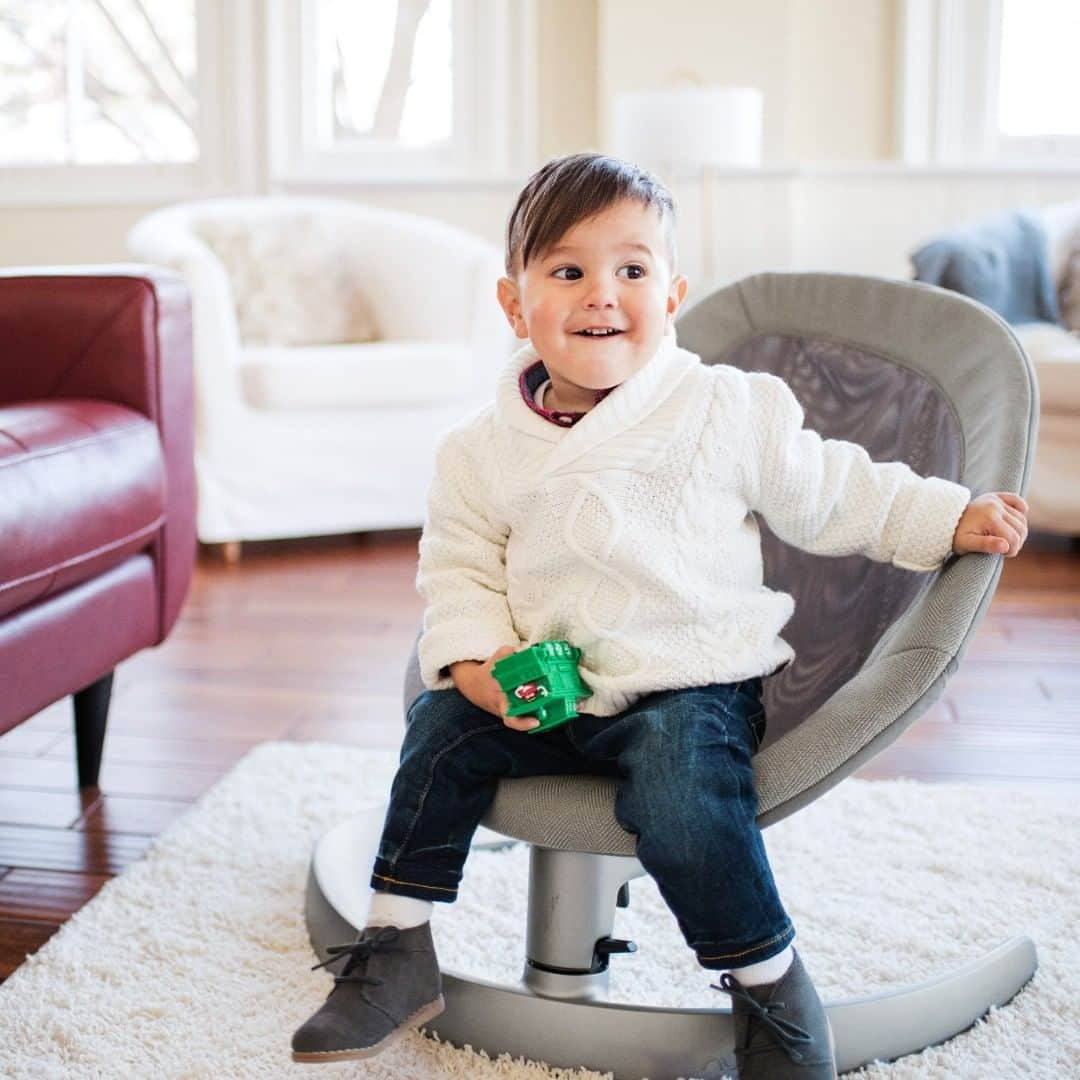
(841, 80)
(844, 219)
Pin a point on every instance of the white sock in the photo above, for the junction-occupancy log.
(400, 911)
(768, 971)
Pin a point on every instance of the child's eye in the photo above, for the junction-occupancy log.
(633, 271)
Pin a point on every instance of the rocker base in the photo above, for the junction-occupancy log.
(633, 1041)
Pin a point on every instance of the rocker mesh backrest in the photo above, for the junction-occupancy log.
(913, 373)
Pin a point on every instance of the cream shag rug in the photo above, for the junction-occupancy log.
(195, 962)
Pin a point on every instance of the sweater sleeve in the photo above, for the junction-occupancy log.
(462, 570)
(828, 497)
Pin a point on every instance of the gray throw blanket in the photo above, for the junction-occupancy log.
(1003, 262)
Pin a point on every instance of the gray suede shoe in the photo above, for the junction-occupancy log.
(390, 984)
(781, 1030)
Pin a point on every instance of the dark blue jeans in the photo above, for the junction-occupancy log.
(686, 790)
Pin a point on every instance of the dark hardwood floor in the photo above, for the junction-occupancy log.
(307, 640)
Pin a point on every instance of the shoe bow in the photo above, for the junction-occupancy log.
(357, 952)
(789, 1035)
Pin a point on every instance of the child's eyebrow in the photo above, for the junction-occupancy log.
(570, 249)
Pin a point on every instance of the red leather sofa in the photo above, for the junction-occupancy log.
(97, 493)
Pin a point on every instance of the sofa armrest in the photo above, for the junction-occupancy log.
(120, 334)
(88, 332)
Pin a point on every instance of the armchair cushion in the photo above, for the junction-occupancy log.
(292, 280)
(1055, 354)
(82, 486)
(379, 374)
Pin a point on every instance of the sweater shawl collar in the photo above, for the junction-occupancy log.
(587, 446)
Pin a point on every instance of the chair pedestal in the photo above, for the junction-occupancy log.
(572, 898)
(562, 1019)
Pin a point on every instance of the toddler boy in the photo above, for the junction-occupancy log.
(607, 497)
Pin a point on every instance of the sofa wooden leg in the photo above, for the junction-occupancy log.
(91, 714)
(230, 552)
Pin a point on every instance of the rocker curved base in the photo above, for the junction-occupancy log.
(663, 1044)
(633, 1041)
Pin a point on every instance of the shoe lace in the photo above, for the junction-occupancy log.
(790, 1036)
(356, 952)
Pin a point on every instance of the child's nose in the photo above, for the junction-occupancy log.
(601, 295)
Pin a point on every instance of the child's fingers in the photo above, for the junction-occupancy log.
(1001, 526)
(1012, 499)
(493, 659)
(499, 653)
(1019, 523)
(1003, 523)
(1010, 540)
(991, 545)
(521, 723)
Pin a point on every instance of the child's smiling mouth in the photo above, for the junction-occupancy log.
(598, 332)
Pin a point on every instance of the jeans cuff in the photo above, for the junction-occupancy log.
(728, 955)
(400, 881)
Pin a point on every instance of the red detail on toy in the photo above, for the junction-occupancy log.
(529, 692)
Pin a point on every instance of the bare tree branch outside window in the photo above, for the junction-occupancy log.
(396, 84)
(391, 78)
(133, 101)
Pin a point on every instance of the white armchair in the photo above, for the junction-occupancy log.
(300, 433)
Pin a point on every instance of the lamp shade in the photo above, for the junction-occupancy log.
(685, 129)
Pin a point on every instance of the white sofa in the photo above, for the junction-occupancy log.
(1054, 492)
(304, 439)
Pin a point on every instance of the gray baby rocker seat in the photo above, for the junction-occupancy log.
(913, 373)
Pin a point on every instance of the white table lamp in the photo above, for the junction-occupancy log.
(682, 130)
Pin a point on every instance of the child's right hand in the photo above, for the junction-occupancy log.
(474, 680)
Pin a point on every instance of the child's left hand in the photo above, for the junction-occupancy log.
(995, 523)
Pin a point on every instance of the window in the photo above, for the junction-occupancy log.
(383, 90)
(1037, 106)
(991, 81)
(386, 75)
(97, 82)
(101, 100)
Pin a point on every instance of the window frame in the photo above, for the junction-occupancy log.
(948, 86)
(494, 104)
(156, 182)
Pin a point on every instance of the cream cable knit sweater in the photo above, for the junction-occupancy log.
(631, 535)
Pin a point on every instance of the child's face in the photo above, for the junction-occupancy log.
(610, 271)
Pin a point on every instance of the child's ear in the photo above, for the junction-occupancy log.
(676, 295)
(510, 302)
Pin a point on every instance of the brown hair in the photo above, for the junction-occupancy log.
(571, 189)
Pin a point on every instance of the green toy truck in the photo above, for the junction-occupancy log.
(544, 680)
